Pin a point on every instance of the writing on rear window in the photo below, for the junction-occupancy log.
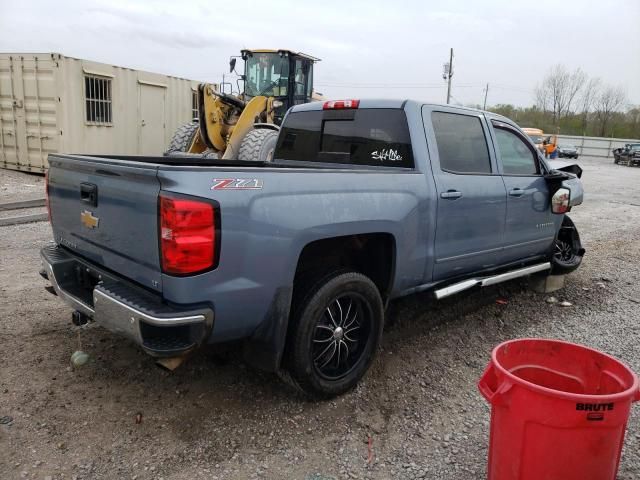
(370, 136)
(384, 155)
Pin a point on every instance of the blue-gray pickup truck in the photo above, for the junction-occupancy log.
(298, 257)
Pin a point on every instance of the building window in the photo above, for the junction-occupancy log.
(195, 111)
(97, 100)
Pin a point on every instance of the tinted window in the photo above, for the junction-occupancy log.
(517, 158)
(461, 143)
(371, 136)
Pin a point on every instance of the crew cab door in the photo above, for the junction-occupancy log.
(530, 226)
(471, 196)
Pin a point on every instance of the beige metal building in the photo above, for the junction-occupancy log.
(52, 103)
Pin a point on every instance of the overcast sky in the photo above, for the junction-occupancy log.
(368, 48)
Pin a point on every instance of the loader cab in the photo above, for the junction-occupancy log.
(287, 76)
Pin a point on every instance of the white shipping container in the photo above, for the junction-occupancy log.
(52, 103)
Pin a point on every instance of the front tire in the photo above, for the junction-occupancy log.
(335, 333)
(258, 145)
(568, 251)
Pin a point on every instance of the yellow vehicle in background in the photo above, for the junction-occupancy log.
(245, 126)
(547, 144)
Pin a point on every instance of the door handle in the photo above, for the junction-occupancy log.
(516, 192)
(451, 194)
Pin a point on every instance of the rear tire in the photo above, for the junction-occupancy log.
(335, 332)
(258, 145)
(183, 138)
(568, 251)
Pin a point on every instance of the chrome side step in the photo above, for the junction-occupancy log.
(492, 280)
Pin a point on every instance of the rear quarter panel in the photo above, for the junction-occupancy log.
(264, 231)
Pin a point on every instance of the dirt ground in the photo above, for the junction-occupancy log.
(215, 418)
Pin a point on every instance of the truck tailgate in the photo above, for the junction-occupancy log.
(107, 212)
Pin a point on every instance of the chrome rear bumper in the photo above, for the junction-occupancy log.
(160, 329)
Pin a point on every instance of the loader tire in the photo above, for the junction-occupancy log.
(258, 145)
(183, 137)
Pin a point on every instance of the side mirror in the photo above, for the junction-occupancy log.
(560, 201)
(232, 65)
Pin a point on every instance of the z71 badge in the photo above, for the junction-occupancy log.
(237, 184)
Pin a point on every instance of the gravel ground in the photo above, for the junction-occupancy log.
(22, 211)
(16, 186)
(214, 418)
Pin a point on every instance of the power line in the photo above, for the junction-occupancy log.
(511, 87)
(389, 85)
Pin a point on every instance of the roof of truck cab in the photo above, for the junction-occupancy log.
(396, 103)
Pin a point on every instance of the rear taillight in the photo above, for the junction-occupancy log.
(188, 243)
(46, 194)
(340, 104)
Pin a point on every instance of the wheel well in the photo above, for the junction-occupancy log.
(372, 254)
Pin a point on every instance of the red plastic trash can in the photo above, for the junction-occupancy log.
(559, 411)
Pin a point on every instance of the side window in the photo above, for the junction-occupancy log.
(516, 156)
(462, 146)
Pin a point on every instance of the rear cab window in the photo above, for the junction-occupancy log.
(366, 136)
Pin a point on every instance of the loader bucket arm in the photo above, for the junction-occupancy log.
(254, 112)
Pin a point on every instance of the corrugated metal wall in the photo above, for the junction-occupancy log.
(45, 107)
(29, 108)
(595, 146)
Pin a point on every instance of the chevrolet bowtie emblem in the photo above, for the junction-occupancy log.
(88, 220)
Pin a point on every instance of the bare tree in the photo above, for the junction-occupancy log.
(543, 97)
(575, 83)
(558, 90)
(610, 101)
(590, 93)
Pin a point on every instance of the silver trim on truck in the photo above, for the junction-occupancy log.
(111, 312)
(492, 280)
(123, 319)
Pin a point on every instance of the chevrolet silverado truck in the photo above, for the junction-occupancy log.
(364, 202)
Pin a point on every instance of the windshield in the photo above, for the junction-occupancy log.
(266, 74)
(634, 147)
(568, 147)
(536, 138)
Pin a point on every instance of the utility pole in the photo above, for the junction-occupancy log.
(448, 73)
(486, 92)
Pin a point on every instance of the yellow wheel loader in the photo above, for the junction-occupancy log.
(245, 126)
